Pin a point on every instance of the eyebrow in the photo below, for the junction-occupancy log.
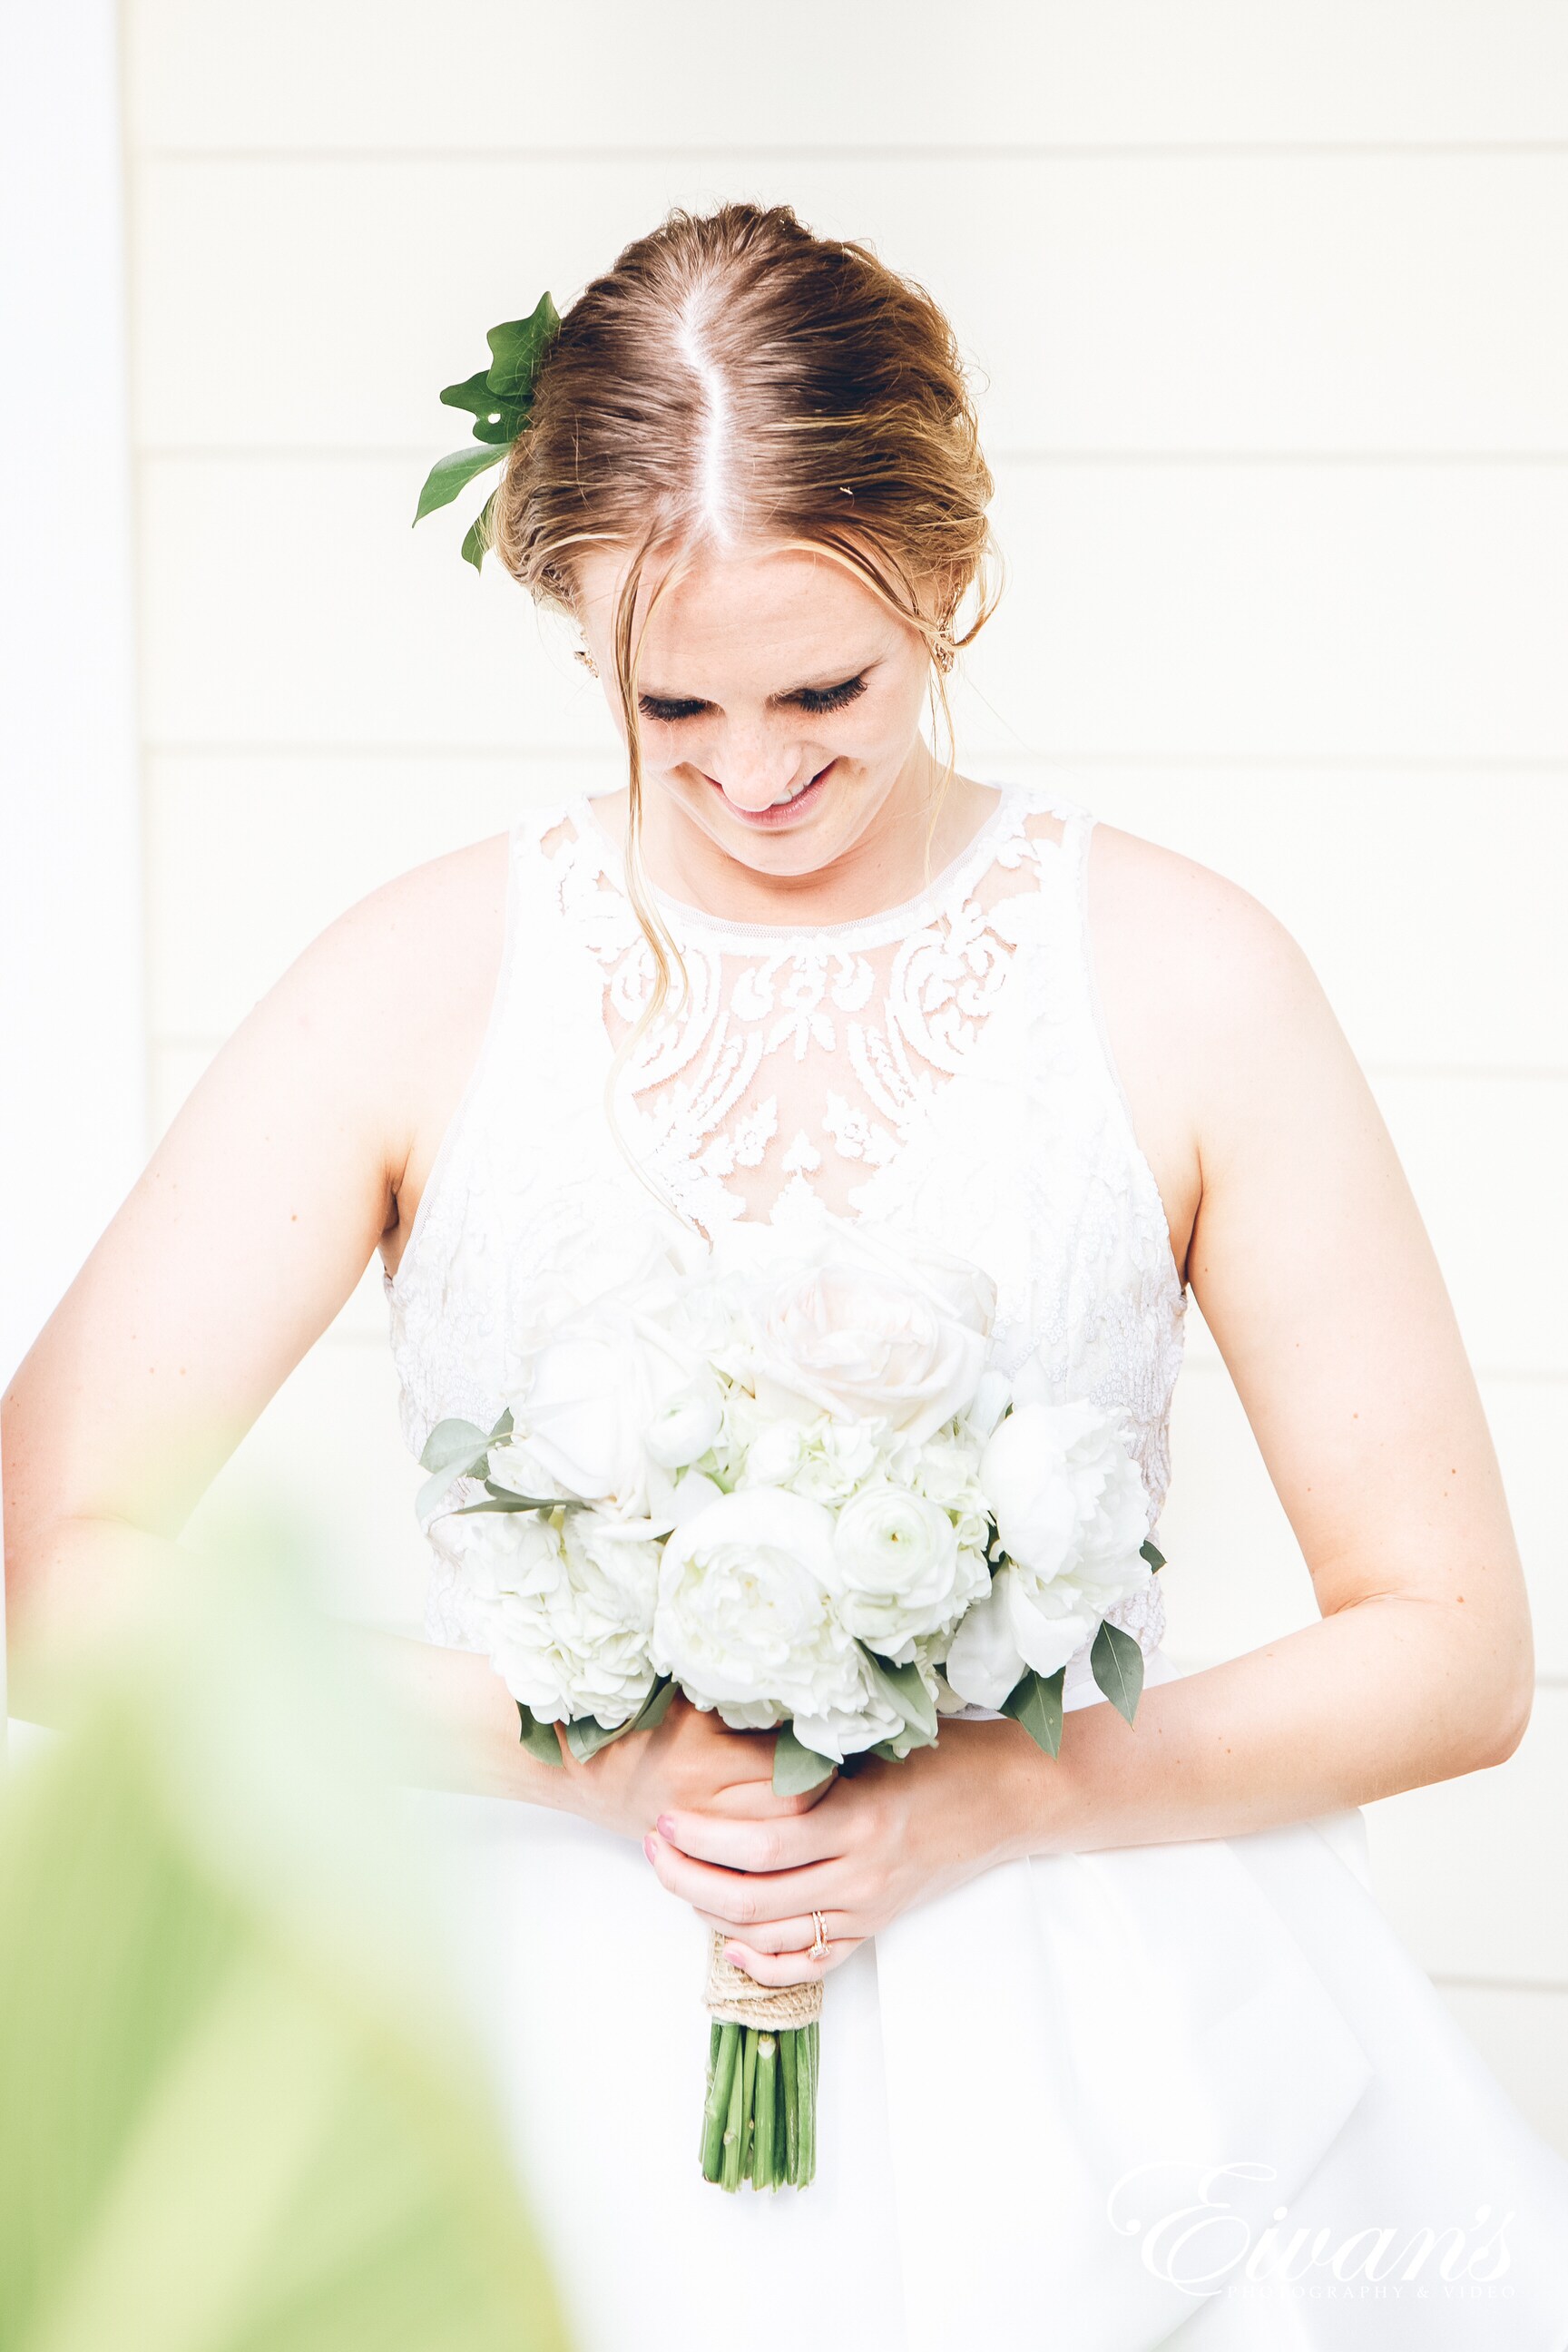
(808, 686)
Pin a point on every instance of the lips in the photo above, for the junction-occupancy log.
(781, 813)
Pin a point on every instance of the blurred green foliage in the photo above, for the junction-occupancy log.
(226, 2123)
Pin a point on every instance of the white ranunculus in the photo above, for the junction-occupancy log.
(577, 1643)
(775, 1454)
(1071, 1513)
(685, 1425)
(745, 1622)
(864, 1327)
(901, 1573)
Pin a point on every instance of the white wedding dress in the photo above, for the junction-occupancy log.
(1190, 2095)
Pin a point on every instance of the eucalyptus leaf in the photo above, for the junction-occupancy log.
(797, 1768)
(1154, 1555)
(587, 1736)
(502, 1429)
(654, 1707)
(1036, 1702)
(538, 1739)
(1117, 1662)
(501, 1501)
(902, 1688)
(451, 1441)
(449, 475)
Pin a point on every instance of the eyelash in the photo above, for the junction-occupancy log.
(811, 700)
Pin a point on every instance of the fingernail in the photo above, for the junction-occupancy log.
(732, 1953)
(666, 1825)
(647, 1845)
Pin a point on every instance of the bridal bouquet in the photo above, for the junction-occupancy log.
(789, 1486)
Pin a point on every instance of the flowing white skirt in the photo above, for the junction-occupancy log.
(1196, 2096)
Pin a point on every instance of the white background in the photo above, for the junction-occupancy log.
(1269, 301)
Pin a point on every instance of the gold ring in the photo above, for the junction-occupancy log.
(819, 1930)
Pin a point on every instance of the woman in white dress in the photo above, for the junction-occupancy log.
(1118, 2051)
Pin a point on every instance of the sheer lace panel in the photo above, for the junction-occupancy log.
(797, 1063)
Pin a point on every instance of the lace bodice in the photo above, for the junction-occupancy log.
(940, 1067)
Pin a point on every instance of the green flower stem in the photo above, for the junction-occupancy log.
(724, 2044)
(765, 2173)
(734, 2127)
(759, 2118)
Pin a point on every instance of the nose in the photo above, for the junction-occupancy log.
(754, 771)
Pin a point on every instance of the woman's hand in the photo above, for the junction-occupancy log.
(691, 1766)
(878, 1840)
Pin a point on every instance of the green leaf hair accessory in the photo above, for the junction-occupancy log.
(499, 399)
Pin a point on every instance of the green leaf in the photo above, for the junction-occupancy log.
(797, 1767)
(1036, 1702)
(451, 1441)
(495, 421)
(449, 475)
(517, 346)
(502, 1429)
(654, 1707)
(538, 1739)
(452, 1451)
(477, 538)
(903, 1688)
(587, 1736)
(499, 1500)
(1118, 1666)
(1151, 1553)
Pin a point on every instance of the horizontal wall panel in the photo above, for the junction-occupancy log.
(1470, 1870)
(1485, 1158)
(1235, 1578)
(1160, 610)
(310, 836)
(516, 73)
(1522, 2035)
(1249, 302)
(1427, 902)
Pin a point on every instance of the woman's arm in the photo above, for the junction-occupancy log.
(300, 1151)
(1308, 1258)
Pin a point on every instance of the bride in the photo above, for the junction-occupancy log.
(1117, 2052)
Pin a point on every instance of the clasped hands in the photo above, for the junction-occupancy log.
(755, 1866)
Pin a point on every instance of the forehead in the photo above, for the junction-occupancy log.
(767, 604)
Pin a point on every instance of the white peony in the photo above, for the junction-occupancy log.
(577, 1644)
(1071, 1513)
(863, 1327)
(745, 1622)
(901, 1573)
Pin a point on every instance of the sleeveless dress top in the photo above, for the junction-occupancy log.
(1028, 2082)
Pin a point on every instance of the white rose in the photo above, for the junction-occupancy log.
(864, 1327)
(577, 1642)
(745, 1622)
(1071, 1513)
(901, 1573)
(586, 1395)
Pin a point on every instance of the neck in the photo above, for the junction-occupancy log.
(919, 827)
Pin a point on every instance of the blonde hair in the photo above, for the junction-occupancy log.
(734, 378)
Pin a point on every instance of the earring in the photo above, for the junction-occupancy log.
(586, 658)
(945, 653)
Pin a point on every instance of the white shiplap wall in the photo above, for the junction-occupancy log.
(1269, 299)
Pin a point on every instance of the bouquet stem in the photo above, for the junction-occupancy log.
(759, 2118)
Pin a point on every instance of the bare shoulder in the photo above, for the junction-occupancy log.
(1213, 1012)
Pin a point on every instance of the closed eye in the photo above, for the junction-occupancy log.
(672, 709)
